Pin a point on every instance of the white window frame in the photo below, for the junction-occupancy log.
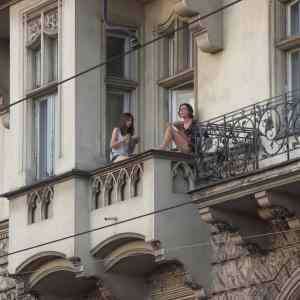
(127, 58)
(173, 105)
(289, 17)
(48, 14)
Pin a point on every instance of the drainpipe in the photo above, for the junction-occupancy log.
(134, 43)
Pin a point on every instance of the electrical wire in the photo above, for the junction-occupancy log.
(123, 54)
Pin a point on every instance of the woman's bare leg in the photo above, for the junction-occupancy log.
(120, 158)
(178, 137)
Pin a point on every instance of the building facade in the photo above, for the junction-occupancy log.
(220, 224)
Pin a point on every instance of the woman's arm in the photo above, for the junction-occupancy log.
(114, 143)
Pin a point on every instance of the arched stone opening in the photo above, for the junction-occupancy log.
(52, 276)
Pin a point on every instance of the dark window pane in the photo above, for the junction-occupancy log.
(115, 46)
(295, 65)
(43, 139)
(295, 26)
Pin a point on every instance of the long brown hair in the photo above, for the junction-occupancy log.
(122, 124)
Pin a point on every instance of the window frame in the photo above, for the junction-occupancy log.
(289, 18)
(126, 85)
(50, 29)
(50, 99)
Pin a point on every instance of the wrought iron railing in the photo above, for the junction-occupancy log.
(250, 138)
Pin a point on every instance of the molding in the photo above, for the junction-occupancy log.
(291, 42)
(5, 119)
(182, 78)
(121, 83)
(25, 265)
(108, 245)
(248, 184)
(75, 173)
(212, 41)
(114, 167)
(208, 43)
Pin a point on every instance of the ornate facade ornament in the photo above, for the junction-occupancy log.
(184, 171)
(44, 22)
(277, 209)
(51, 22)
(40, 200)
(34, 28)
(116, 185)
(171, 281)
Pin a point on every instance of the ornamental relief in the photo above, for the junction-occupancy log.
(34, 28)
(51, 22)
(116, 186)
(45, 23)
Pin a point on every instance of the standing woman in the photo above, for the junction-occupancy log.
(122, 139)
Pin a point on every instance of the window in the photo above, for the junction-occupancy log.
(177, 73)
(42, 48)
(116, 45)
(178, 96)
(44, 135)
(121, 81)
(42, 72)
(293, 18)
(294, 69)
(293, 51)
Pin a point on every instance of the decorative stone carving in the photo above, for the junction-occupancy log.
(278, 209)
(51, 22)
(40, 198)
(212, 40)
(109, 184)
(101, 293)
(182, 171)
(5, 119)
(47, 197)
(170, 281)
(122, 181)
(34, 28)
(116, 185)
(97, 185)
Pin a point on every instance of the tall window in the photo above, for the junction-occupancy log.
(177, 66)
(293, 54)
(42, 71)
(120, 79)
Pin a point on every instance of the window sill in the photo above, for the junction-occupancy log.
(41, 91)
(180, 79)
(121, 83)
(289, 43)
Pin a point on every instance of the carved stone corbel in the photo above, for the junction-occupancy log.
(105, 292)
(238, 226)
(218, 220)
(5, 119)
(279, 209)
(211, 41)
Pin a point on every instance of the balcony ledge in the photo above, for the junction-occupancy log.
(272, 177)
(75, 173)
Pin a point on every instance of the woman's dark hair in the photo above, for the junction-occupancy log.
(122, 124)
(189, 108)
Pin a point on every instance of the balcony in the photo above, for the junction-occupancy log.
(250, 139)
(248, 170)
(126, 206)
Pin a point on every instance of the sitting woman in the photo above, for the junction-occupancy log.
(181, 133)
(122, 140)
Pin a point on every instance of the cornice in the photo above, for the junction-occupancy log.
(248, 184)
(76, 173)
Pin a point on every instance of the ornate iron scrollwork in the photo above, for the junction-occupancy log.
(257, 135)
